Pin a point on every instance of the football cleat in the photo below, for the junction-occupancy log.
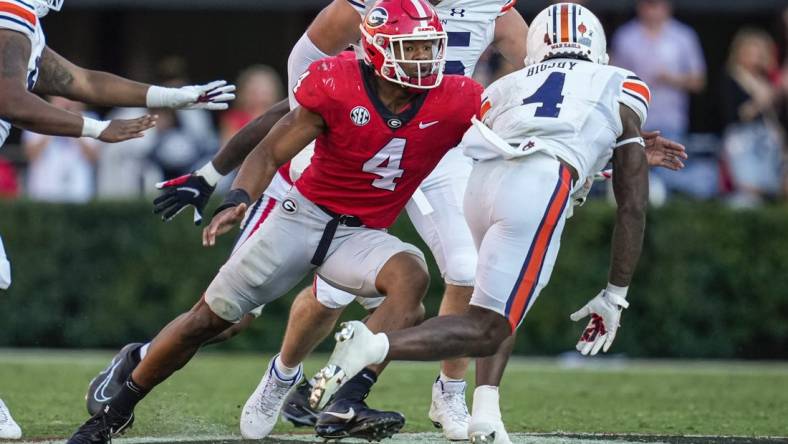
(9, 429)
(262, 408)
(490, 432)
(102, 427)
(448, 410)
(297, 410)
(109, 381)
(357, 347)
(345, 418)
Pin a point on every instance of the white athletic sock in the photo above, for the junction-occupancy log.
(284, 373)
(486, 403)
(144, 351)
(443, 378)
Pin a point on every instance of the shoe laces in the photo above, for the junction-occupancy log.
(5, 416)
(272, 397)
(455, 404)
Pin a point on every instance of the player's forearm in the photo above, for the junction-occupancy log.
(627, 244)
(256, 172)
(509, 40)
(630, 185)
(30, 112)
(105, 89)
(242, 143)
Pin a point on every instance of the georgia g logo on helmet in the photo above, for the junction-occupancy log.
(377, 17)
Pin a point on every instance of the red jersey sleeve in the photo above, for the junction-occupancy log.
(309, 90)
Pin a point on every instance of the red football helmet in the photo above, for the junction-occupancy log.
(386, 29)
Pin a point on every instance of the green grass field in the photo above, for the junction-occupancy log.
(45, 391)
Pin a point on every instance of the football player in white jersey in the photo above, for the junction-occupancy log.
(436, 212)
(545, 129)
(28, 66)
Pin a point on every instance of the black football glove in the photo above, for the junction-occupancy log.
(189, 189)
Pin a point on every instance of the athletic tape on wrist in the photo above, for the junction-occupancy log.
(159, 97)
(637, 140)
(93, 128)
(210, 174)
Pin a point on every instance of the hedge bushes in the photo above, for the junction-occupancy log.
(711, 283)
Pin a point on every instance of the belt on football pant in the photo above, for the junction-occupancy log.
(329, 232)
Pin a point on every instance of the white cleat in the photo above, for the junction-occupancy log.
(448, 410)
(357, 347)
(9, 429)
(488, 433)
(262, 409)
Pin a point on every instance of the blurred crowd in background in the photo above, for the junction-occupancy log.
(742, 165)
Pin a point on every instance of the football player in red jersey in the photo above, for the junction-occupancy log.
(381, 126)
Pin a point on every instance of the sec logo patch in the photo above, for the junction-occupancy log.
(289, 206)
(359, 116)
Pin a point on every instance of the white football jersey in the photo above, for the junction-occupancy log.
(19, 16)
(469, 24)
(566, 107)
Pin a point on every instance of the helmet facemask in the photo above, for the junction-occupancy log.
(44, 6)
(413, 73)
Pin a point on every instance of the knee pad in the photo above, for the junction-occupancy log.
(330, 296)
(225, 308)
(460, 268)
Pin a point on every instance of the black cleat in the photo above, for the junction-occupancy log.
(296, 408)
(101, 427)
(107, 383)
(347, 418)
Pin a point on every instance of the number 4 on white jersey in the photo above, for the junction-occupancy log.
(385, 163)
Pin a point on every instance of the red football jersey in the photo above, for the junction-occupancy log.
(370, 161)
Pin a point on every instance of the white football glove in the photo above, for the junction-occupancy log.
(605, 311)
(212, 96)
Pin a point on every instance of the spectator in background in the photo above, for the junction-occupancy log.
(60, 169)
(182, 140)
(753, 140)
(667, 55)
(259, 88)
(9, 186)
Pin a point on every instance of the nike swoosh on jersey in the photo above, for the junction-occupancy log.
(191, 190)
(423, 125)
(347, 416)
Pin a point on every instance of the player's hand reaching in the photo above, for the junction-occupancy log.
(229, 213)
(212, 96)
(605, 311)
(189, 189)
(125, 129)
(221, 223)
(663, 152)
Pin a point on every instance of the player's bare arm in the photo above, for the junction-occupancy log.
(287, 138)
(60, 77)
(630, 185)
(509, 39)
(335, 27)
(28, 111)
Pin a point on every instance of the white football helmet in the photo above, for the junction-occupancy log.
(44, 6)
(566, 29)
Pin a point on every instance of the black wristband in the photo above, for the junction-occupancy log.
(233, 199)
